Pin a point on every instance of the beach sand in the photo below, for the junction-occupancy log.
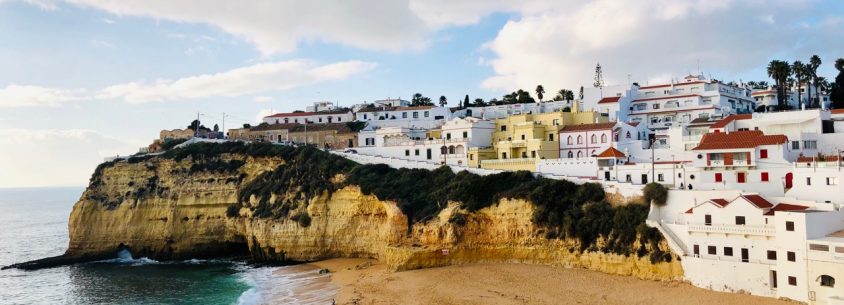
(368, 282)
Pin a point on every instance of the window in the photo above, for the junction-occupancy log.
(416, 152)
(407, 152)
(655, 106)
(579, 154)
(707, 220)
(415, 115)
(320, 119)
(579, 140)
(740, 220)
(763, 154)
(364, 117)
(571, 155)
(719, 177)
(819, 247)
(712, 250)
(504, 155)
(523, 136)
(810, 144)
(568, 140)
(503, 127)
(659, 177)
(792, 281)
(533, 154)
(465, 134)
(427, 114)
(791, 256)
(808, 180)
(629, 178)
(789, 226)
(740, 177)
(556, 122)
(764, 176)
(827, 281)
(696, 250)
(795, 144)
(772, 255)
(728, 251)
(628, 135)
(550, 137)
(404, 115)
(594, 139)
(604, 138)
(831, 181)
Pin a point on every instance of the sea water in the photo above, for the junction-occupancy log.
(33, 225)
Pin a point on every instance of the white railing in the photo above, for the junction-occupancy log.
(716, 162)
(740, 163)
(510, 161)
(732, 229)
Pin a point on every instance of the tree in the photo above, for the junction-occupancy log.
(479, 102)
(655, 193)
(540, 91)
(836, 93)
(779, 71)
(564, 95)
(247, 125)
(758, 85)
(443, 101)
(420, 100)
(599, 77)
(216, 128)
(466, 101)
(800, 75)
(812, 68)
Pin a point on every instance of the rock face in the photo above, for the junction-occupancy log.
(166, 209)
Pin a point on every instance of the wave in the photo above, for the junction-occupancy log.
(299, 284)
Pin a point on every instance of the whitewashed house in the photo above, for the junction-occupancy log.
(303, 117)
(424, 117)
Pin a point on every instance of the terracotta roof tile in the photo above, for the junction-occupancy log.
(298, 114)
(726, 121)
(738, 139)
(720, 202)
(758, 201)
(608, 100)
(611, 153)
(588, 127)
(837, 111)
(782, 207)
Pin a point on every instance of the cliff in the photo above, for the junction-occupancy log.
(233, 202)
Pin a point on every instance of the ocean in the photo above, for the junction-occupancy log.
(33, 225)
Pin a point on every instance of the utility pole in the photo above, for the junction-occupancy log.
(653, 160)
(196, 128)
(224, 125)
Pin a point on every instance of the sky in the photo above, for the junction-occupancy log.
(81, 80)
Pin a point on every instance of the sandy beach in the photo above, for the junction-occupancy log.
(369, 282)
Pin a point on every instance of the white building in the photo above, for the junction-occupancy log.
(768, 246)
(501, 111)
(664, 105)
(768, 97)
(321, 107)
(449, 147)
(302, 117)
(589, 140)
(424, 117)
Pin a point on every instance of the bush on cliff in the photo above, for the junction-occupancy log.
(655, 193)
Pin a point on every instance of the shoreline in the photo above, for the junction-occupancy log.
(365, 281)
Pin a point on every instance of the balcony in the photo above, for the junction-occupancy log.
(740, 163)
(732, 229)
(716, 162)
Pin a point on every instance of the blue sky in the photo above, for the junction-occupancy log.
(85, 79)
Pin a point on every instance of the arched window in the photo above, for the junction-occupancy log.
(593, 153)
(571, 155)
(604, 138)
(579, 154)
(827, 281)
(443, 150)
(594, 139)
(628, 135)
(451, 150)
(569, 140)
(579, 140)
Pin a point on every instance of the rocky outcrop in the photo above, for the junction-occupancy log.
(168, 209)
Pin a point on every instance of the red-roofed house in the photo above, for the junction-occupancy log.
(589, 140)
(746, 160)
(302, 117)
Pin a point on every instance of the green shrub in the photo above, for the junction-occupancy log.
(656, 193)
(169, 143)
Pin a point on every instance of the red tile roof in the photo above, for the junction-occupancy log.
(758, 201)
(588, 127)
(762, 92)
(666, 97)
(611, 153)
(720, 202)
(634, 124)
(782, 207)
(837, 111)
(297, 114)
(608, 100)
(726, 121)
(689, 211)
(738, 139)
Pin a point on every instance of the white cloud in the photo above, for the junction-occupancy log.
(279, 26)
(262, 113)
(53, 157)
(257, 78)
(31, 96)
(653, 39)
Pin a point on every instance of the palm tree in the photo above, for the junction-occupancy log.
(539, 92)
(814, 64)
(443, 101)
(779, 71)
(800, 75)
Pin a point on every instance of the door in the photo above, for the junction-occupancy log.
(740, 177)
(607, 176)
(745, 255)
(644, 178)
(697, 250)
(773, 279)
(788, 180)
(707, 220)
(428, 154)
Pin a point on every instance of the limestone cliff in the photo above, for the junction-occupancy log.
(166, 208)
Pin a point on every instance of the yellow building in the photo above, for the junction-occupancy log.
(519, 140)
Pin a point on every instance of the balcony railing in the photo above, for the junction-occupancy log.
(716, 162)
(732, 229)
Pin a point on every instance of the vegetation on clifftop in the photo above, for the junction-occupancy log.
(563, 209)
